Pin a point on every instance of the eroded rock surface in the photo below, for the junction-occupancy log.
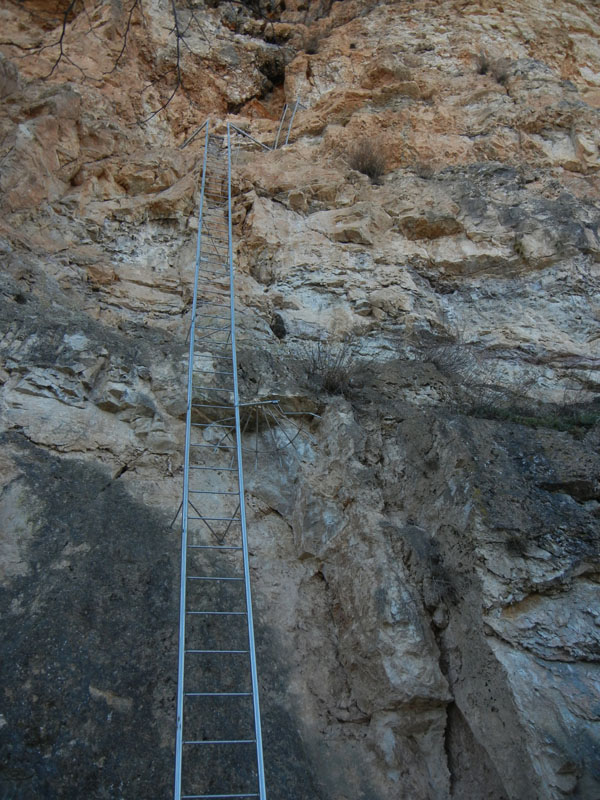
(425, 557)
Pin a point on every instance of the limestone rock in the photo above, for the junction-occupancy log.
(425, 541)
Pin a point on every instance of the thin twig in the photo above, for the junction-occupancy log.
(134, 5)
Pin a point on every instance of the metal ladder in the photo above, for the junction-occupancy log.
(288, 113)
(218, 749)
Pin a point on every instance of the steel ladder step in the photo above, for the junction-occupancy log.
(212, 491)
(214, 424)
(213, 372)
(220, 741)
(213, 388)
(218, 613)
(214, 546)
(218, 694)
(210, 405)
(214, 796)
(219, 652)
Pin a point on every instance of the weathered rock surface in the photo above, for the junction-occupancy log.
(425, 559)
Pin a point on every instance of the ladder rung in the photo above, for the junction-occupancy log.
(213, 329)
(220, 741)
(218, 694)
(217, 263)
(208, 303)
(213, 371)
(208, 491)
(218, 613)
(210, 578)
(215, 469)
(219, 293)
(208, 796)
(213, 424)
(213, 547)
(225, 652)
(200, 317)
(213, 274)
(211, 316)
(209, 405)
(213, 388)
(217, 519)
(215, 446)
(207, 340)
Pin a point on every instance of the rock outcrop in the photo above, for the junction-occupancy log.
(425, 557)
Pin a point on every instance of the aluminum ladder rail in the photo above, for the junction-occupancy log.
(218, 749)
(288, 111)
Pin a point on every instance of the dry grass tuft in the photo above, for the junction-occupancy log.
(368, 156)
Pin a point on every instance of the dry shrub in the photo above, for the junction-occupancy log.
(423, 170)
(482, 62)
(311, 43)
(500, 70)
(368, 156)
(330, 365)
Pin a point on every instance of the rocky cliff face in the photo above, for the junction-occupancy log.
(426, 557)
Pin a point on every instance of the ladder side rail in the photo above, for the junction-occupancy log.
(242, 512)
(193, 136)
(184, 511)
(283, 113)
(252, 139)
(296, 104)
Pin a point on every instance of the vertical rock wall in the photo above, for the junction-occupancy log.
(425, 555)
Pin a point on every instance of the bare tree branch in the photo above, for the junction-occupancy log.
(178, 80)
(184, 21)
(60, 42)
(134, 5)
